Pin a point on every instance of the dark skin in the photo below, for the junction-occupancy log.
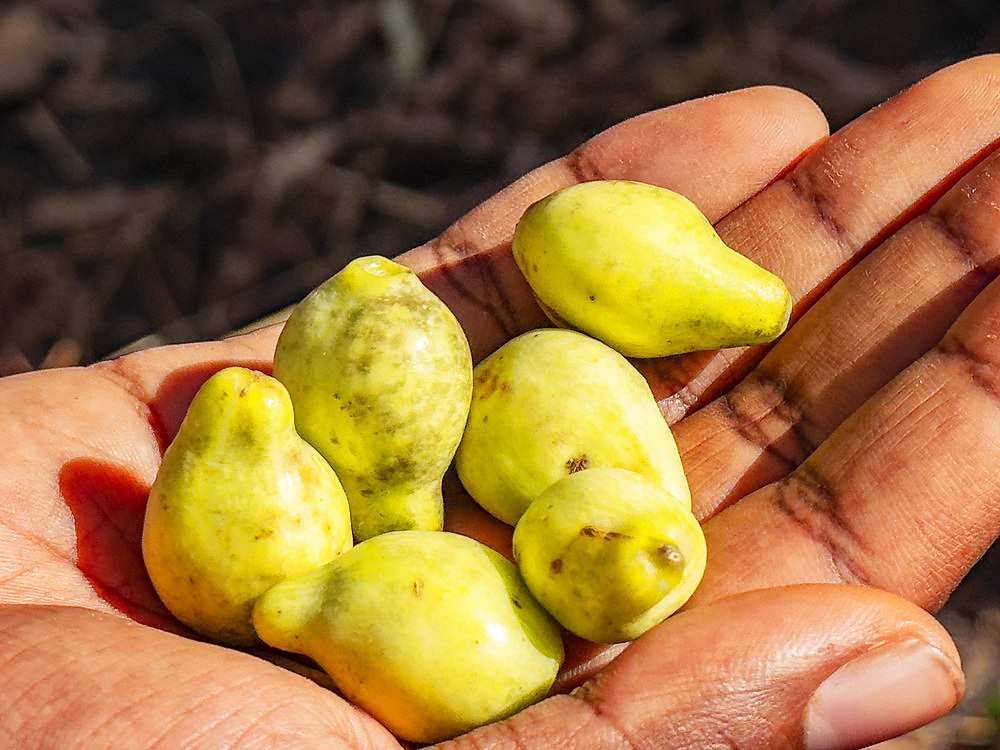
(845, 476)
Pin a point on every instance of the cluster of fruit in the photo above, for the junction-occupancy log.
(304, 509)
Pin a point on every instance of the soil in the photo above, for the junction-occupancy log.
(172, 170)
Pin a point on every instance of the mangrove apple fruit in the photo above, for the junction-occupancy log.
(240, 501)
(640, 268)
(552, 402)
(609, 554)
(432, 633)
(380, 373)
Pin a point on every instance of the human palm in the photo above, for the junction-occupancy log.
(845, 476)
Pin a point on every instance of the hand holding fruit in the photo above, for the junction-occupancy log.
(885, 371)
(379, 378)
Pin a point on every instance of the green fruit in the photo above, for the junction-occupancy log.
(432, 633)
(609, 554)
(380, 372)
(640, 268)
(239, 503)
(552, 402)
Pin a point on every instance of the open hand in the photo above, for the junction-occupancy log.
(845, 476)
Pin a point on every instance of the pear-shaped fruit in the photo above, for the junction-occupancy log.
(609, 554)
(640, 268)
(239, 503)
(432, 633)
(380, 373)
(552, 402)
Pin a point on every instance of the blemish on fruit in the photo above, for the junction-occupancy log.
(672, 554)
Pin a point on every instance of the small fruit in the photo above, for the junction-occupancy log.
(380, 373)
(239, 503)
(432, 633)
(640, 268)
(552, 402)
(609, 554)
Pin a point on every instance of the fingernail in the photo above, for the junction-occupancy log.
(881, 694)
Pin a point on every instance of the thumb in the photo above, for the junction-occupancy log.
(808, 666)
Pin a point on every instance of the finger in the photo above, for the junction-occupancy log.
(717, 151)
(840, 200)
(119, 684)
(804, 666)
(902, 497)
(887, 311)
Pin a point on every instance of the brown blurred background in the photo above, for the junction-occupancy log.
(172, 170)
(177, 169)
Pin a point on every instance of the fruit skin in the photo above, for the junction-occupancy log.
(240, 501)
(432, 633)
(640, 268)
(380, 373)
(551, 402)
(609, 554)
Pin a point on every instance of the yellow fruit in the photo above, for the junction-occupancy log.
(239, 503)
(640, 268)
(432, 633)
(552, 402)
(380, 373)
(609, 554)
